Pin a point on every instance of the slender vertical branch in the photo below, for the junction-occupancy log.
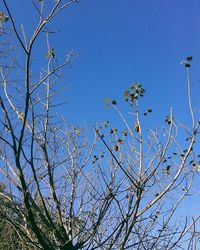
(189, 97)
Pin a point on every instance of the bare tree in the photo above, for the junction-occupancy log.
(158, 173)
(68, 188)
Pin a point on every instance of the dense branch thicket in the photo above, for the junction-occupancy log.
(64, 187)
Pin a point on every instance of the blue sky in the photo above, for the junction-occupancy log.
(125, 41)
(120, 42)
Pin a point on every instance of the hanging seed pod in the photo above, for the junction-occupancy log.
(136, 127)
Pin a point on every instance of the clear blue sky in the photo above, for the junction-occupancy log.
(120, 42)
(125, 41)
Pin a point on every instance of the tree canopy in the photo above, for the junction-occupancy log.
(70, 187)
